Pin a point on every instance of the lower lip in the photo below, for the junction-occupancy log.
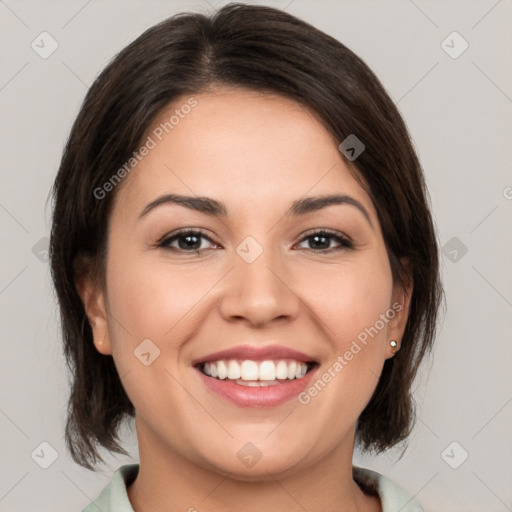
(263, 396)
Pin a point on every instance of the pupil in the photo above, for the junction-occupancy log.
(323, 238)
(191, 240)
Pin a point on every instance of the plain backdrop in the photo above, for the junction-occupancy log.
(457, 103)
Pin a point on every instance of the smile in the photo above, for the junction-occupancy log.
(256, 384)
(256, 373)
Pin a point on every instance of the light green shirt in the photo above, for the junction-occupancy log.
(114, 497)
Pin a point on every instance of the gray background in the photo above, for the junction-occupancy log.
(459, 113)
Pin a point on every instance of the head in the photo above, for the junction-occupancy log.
(249, 108)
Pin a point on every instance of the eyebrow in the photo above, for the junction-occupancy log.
(215, 208)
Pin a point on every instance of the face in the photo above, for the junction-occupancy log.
(250, 273)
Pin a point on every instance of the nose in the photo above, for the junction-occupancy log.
(260, 292)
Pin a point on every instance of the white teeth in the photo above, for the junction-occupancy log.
(253, 371)
(249, 370)
(281, 370)
(233, 370)
(267, 370)
(292, 368)
(222, 371)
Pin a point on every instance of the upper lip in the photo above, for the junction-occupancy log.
(255, 354)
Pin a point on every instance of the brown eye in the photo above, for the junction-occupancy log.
(321, 241)
(186, 241)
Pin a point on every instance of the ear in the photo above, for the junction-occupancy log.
(401, 301)
(93, 300)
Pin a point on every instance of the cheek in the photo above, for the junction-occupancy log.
(151, 300)
(154, 298)
(349, 301)
(350, 297)
(148, 301)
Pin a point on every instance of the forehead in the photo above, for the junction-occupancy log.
(246, 147)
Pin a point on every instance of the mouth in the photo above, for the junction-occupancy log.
(253, 373)
(256, 383)
(256, 376)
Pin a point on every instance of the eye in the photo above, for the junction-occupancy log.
(320, 241)
(191, 241)
(186, 240)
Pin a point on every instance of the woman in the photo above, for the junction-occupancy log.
(246, 264)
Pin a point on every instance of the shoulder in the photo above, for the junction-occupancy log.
(114, 497)
(392, 496)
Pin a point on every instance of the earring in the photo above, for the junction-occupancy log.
(394, 345)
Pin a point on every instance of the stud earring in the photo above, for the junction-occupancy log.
(393, 344)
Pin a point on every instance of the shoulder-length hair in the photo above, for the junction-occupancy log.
(256, 48)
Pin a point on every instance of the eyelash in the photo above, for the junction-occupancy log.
(344, 242)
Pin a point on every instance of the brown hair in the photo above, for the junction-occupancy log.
(256, 48)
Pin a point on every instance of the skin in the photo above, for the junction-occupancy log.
(257, 154)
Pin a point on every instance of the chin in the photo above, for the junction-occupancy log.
(250, 464)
